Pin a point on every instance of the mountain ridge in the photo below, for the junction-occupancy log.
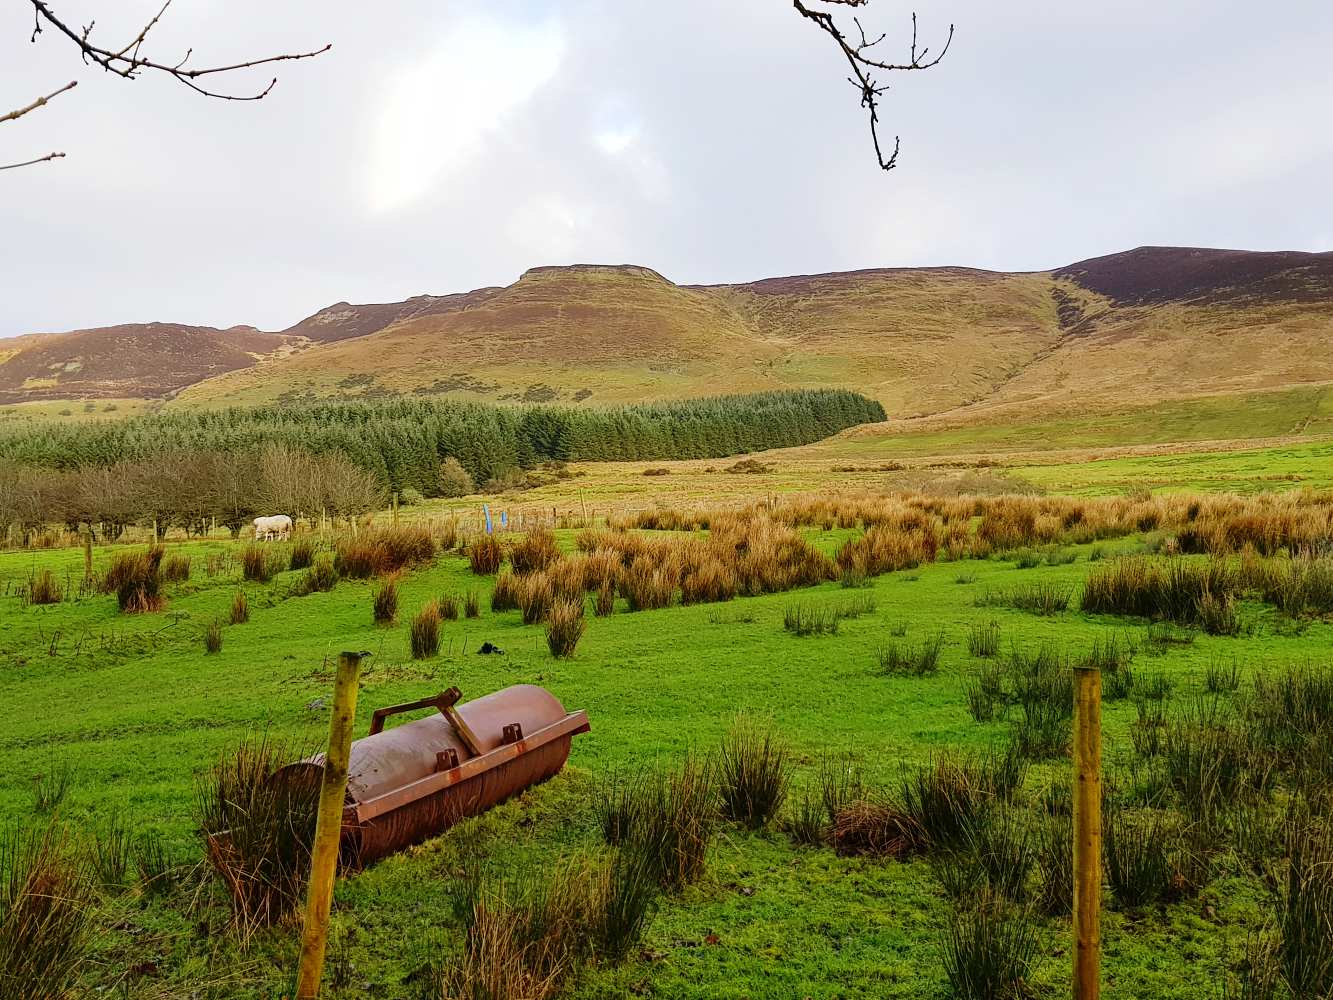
(1152, 321)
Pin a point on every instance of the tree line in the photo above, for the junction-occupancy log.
(190, 490)
(401, 443)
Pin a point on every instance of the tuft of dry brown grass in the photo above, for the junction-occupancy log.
(384, 550)
(534, 552)
(425, 635)
(135, 578)
(877, 829)
(44, 588)
(240, 608)
(564, 627)
(256, 564)
(485, 555)
(384, 600)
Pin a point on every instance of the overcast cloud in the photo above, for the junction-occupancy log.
(444, 146)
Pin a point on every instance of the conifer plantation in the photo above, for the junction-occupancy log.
(403, 441)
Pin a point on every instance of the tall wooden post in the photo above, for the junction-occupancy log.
(328, 827)
(395, 508)
(1087, 833)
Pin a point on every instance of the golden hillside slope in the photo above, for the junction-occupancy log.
(953, 347)
(921, 340)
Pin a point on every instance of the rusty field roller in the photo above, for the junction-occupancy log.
(413, 781)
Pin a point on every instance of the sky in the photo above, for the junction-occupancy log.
(443, 146)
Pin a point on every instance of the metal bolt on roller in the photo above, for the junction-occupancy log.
(416, 780)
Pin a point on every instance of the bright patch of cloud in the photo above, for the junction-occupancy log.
(550, 228)
(440, 109)
(613, 142)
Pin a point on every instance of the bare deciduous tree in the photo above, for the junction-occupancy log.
(129, 61)
(866, 66)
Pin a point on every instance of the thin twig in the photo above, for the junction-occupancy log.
(127, 61)
(28, 163)
(864, 64)
(39, 103)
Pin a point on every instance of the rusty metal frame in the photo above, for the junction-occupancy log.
(362, 812)
(442, 701)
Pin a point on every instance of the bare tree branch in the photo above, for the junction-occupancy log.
(865, 63)
(128, 62)
(28, 163)
(40, 102)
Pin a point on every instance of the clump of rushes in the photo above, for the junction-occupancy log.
(605, 602)
(425, 635)
(985, 693)
(322, 576)
(535, 597)
(1036, 598)
(1304, 906)
(302, 554)
(111, 849)
(157, 870)
(1055, 863)
(912, 659)
(983, 640)
(808, 619)
(384, 600)
(256, 565)
(564, 627)
(176, 569)
(505, 595)
(384, 550)
(679, 822)
(752, 773)
(667, 816)
(618, 805)
(213, 637)
(945, 798)
(989, 950)
(50, 788)
(485, 555)
(47, 903)
(534, 552)
(257, 829)
(448, 607)
(44, 588)
(471, 604)
(240, 608)
(136, 580)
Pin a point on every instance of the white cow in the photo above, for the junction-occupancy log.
(278, 526)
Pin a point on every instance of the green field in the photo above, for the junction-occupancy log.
(133, 706)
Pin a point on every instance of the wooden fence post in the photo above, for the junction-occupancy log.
(1087, 832)
(328, 827)
(395, 508)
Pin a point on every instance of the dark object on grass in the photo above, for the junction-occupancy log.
(488, 648)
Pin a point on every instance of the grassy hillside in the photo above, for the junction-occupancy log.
(919, 341)
(980, 348)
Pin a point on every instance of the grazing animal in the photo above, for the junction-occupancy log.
(278, 526)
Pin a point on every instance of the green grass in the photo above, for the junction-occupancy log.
(135, 709)
(1238, 416)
